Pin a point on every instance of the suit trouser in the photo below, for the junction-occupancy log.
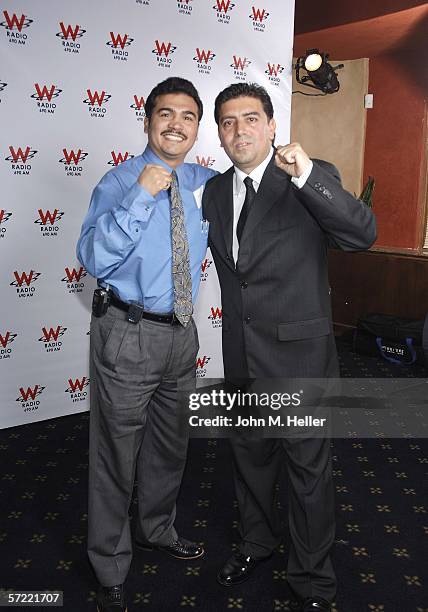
(311, 507)
(135, 429)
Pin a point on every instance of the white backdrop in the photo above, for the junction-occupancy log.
(73, 80)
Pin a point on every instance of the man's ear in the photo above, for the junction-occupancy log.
(272, 128)
(146, 124)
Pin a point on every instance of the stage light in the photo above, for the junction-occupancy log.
(321, 74)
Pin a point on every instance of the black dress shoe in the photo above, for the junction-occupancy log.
(179, 549)
(237, 569)
(111, 599)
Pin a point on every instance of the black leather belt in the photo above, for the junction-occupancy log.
(170, 319)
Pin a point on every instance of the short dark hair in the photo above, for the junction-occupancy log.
(238, 90)
(170, 86)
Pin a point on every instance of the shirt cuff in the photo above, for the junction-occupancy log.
(138, 202)
(299, 182)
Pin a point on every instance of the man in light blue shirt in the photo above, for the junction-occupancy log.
(143, 239)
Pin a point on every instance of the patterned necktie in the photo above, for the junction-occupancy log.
(248, 202)
(182, 278)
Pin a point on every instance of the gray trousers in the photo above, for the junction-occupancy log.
(135, 430)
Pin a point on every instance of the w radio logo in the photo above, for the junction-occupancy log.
(44, 97)
(117, 40)
(14, 26)
(205, 265)
(5, 340)
(201, 366)
(201, 362)
(162, 51)
(68, 32)
(96, 98)
(50, 338)
(206, 162)
(48, 221)
(258, 16)
(240, 65)
(23, 283)
(24, 278)
(203, 56)
(222, 8)
(204, 269)
(118, 158)
(138, 106)
(20, 155)
(51, 334)
(27, 396)
(76, 388)
(15, 23)
(163, 48)
(139, 103)
(96, 101)
(68, 35)
(72, 157)
(73, 278)
(45, 93)
(118, 43)
(215, 316)
(273, 71)
(72, 160)
(8, 338)
(48, 217)
(73, 274)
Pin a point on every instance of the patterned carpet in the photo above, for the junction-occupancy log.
(380, 553)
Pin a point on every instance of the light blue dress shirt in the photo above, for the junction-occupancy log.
(125, 240)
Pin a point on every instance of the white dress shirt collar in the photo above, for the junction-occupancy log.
(256, 175)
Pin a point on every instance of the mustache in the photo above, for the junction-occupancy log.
(174, 133)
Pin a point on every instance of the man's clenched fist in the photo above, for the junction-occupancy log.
(292, 159)
(154, 178)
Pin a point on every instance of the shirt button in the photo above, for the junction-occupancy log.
(244, 285)
(147, 208)
(247, 319)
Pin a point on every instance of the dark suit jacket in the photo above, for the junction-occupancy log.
(276, 302)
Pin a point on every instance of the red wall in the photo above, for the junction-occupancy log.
(394, 151)
(312, 16)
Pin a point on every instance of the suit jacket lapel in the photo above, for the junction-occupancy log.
(275, 184)
(224, 210)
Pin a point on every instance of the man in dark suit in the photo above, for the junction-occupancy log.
(272, 216)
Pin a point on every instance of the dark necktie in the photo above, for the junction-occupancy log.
(181, 275)
(248, 202)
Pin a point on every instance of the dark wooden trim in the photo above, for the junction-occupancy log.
(377, 282)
